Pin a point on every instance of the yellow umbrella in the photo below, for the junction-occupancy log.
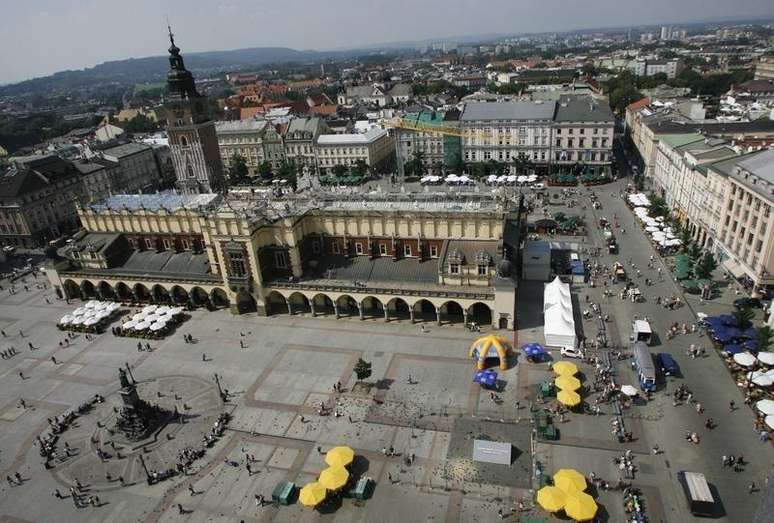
(551, 499)
(333, 478)
(580, 506)
(565, 368)
(570, 480)
(566, 382)
(339, 456)
(568, 397)
(312, 494)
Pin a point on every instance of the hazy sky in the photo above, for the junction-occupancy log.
(39, 37)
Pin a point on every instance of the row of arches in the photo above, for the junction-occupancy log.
(396, 308)
(175, 295)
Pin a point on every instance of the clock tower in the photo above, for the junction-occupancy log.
(193, 143)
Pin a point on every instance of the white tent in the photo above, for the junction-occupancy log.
(559, 325)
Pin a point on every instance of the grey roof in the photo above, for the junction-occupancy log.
(169, 200)
(240, 126)
(400, 90)
(471, 251)
(86, 167)
(310, 124)
(583, 109)
(127, 149)
(760, 164)
(508, 111)
(95, 240)
(667, 126)
(166, 263)
(364, 269)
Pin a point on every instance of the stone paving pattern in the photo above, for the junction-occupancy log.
(289, 366)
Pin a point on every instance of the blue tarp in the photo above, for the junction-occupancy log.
(577, 267)
(733, 348)
(751, 345)
(486, 378)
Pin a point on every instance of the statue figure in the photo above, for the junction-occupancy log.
(122, 377)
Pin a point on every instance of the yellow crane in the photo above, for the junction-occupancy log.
(447, 130)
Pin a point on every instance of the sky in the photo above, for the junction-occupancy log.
(40, 37)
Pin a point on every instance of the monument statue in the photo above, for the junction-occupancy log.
(122, 377)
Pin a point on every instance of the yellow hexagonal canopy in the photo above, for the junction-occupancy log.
(570, 480)
(568, 397)
(312, 494)
(490, 346)
(580, 506)
(565, 382)
(551, 498)
(565, 368)
(334, 478)
(340, 456)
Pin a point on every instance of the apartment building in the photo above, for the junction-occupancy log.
(645, 67)
(504, 131)
(256, 141)
(375, 147)
(300, 138)
(745, 228)
(427, 145)
(574, 129)
(582, 131)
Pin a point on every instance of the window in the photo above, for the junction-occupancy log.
(148, 243)
(190, 171)
(280, 260)
(335, 248)
(186, 245)
(359, 248)
(454, 268)
(433, 251)
(237, 264)
(407, 250)
(483, 270)
(316, 246)
(382, 249)
(167, 244)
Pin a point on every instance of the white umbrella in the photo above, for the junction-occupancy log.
(90, 304)
(659, 218)
(129, 324)
(80, 311)
(512, 178)
(766, 357)
(521, 179)
(464, 178)
(769, 421)
(176, 310)
(651, 228)
(763, 381)
(91, 321)
(65, 319)
(765, 407)
(629, 390)
(163, 309)
(142, 325)
(140, 316)
(745, 359)
(76, 321)
(149, 308)
(157, 326)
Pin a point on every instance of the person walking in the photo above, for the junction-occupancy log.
(731, 405)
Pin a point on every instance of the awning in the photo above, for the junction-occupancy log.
(734, 268)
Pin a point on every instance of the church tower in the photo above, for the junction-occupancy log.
(193, 143)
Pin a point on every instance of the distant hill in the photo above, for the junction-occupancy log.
(138, 70)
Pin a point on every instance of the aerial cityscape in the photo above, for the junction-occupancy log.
(524, 274)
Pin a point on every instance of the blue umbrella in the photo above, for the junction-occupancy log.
(751, 345)
(733, 348)
(487, 378)
(533, 349)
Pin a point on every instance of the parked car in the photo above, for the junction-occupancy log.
(571, 352)
(667, 364)
(748, 303)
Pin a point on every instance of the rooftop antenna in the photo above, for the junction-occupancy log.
(169, 29)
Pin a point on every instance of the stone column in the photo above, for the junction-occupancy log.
(311, 307)
(290, 308)
(336, 310)
(386, 314)
(438, 316)
(360, 310)
(295, 262)
(411, 312)
(464, 316)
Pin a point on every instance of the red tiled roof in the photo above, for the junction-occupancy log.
(638, 104)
